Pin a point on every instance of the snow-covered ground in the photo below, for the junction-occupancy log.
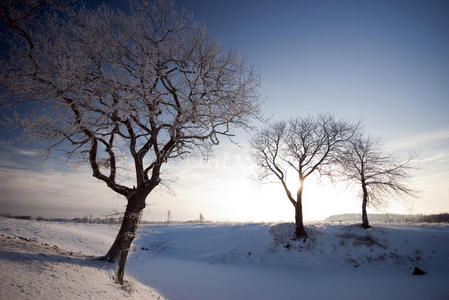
(259, 261)
(338, 262)
(42, 260)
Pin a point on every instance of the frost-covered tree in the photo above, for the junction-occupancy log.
(379, 175)
(302, 146)
(119, 89)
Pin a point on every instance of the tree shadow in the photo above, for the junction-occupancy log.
(69, 258)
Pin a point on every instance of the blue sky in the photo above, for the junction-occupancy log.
(385, 63)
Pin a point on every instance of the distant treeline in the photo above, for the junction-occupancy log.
(90, 220)
(391, 218)
(347, 218)
(105, 220)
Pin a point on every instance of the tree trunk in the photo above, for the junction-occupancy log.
(300, 232)
(129, 226)
(121, 265)
(126, 234)
(365, 223)
(130, 221)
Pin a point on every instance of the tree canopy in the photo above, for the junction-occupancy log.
(118, 88)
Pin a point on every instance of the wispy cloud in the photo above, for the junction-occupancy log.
(34, 153)
(419, 140)
(19, 158)
(439, 157)
(54, 193)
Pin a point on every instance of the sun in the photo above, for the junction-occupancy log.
(321, 198)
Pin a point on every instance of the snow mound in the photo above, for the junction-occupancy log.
(350, 244)
(253, 261)
(327, 245)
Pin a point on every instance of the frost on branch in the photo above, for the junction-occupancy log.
(145, 87)
(151, 84)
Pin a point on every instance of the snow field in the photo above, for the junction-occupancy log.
(260, 261)
(90, 239)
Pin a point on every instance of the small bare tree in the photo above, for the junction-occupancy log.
(302, 146)
(380, 175)
(118, 89)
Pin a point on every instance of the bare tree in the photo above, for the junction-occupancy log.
(302, 146)
(119, 89)
(380, 175)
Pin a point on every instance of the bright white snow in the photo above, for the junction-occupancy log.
(259, 261)
(338, 262)
(33, 265)
(90, 239)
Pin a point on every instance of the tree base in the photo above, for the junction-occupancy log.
(366, 226)
(105, 259)
(301, 236)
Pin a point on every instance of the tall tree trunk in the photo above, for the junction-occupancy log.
(114, 250)
(129, 224)
(127, 233)
(365, 223)
(300, 232)
(131, 221)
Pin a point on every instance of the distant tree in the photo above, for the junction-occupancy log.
(379, 175)
(168, 216)
(304, 146)
(143, 88)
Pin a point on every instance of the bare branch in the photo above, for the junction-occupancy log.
(383, 175)
(302, 146)
(149, 86)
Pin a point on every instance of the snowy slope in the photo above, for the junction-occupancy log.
(90, 239)
(253, 261)
(33, 270)
(259, 261)
(34, 264)
(328, 245)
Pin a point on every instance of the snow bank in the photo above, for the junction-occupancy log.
(34, 270)
(265, 244)
(259, 261)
